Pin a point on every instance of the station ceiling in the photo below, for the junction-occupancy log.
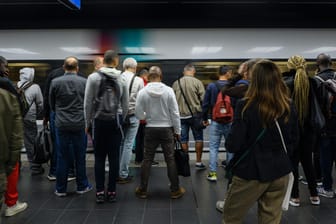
(43, 14)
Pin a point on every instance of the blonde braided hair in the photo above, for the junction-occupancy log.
(301, 86)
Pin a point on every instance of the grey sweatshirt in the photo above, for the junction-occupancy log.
(33, 94)
(156, 103)
(91, 91)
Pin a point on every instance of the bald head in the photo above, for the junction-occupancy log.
(71, 64)
(323, 61)
(155, 74)
(98, 62)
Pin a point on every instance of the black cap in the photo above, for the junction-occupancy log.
(224, 69)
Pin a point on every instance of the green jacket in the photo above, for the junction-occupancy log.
(11, 131)
(193, 90)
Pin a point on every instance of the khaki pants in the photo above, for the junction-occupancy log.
(242, 194)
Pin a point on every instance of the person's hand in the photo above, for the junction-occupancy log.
(177, 137)
(206, 123)
(45, 121)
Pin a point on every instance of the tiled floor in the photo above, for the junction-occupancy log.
(196, 207)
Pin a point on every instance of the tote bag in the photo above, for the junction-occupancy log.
(181, 160)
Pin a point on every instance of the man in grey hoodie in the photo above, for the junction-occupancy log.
(34, 98)
(106, 131)
(157, 104)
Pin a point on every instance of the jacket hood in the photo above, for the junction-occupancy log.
(111, 72)
(155, 89)
(26, 74)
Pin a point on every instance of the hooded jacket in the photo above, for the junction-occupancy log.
(11, 131)
(33, 93)
(156, 103)
(91, 91)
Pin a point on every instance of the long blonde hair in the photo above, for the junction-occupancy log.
(301, 86)
(269, 92)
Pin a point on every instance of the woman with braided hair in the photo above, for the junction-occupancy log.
(300, 87)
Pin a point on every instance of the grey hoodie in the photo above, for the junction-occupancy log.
(156, 103)
(91, 91)
(33, 93)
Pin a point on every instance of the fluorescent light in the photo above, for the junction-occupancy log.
(79, 50)
(264, 49)
(17, 51)
(133, 50)
(148, 50)
(206, 49)
(211, 66)
(321, 49)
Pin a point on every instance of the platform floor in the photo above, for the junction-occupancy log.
(196, 207)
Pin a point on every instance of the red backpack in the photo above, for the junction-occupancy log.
(222, 111)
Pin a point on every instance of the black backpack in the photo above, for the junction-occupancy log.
(42, 146)
(24, 105)
(107, 99)
(329, 86)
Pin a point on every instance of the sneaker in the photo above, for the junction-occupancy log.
(177, 194)
(220, 206)
(60, 194)
(51, 177)
(315, 200)
(87, 189)
(111, 196)
(121, 180)
(154, 163)
(325, 193)
(212, 176)
(304, 181)
(100, 197)
(200, 166)
(300, 178)
(18, 207)
(107, 167)
(140, 193)
(295, 202)
(71, 177)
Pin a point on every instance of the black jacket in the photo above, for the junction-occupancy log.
(267, 160)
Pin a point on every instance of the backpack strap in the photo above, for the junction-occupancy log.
(25, 86)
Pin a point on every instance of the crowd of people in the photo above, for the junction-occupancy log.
(270, 134)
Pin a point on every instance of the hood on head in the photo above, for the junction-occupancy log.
(27, 74)
(112, 72)
(155, 89)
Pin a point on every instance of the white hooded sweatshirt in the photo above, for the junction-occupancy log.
(156, 103)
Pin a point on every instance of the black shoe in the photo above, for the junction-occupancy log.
(121, 180)
(224, 163)
(154, 163)
(100, 197)
(111, 197)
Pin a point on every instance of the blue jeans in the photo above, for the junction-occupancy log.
(216, 132)
(53, 159)
(328, 156)
(126, 146)
(65, 140)
(186, 125)
(106, 142)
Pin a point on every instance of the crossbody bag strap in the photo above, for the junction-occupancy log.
(282, 139)
(250, 148)
(185, 98)
(131, 85)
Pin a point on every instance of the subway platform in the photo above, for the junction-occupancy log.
(197, 206)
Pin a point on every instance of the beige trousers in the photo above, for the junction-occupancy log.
(242, 194)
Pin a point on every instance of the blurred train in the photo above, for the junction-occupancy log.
(170, 49)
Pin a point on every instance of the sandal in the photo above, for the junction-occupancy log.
(315, 200)
(294, 202)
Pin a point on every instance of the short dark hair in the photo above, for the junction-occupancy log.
(70, 65)
(324, 60)
(3, 60)
(154, 72)
(143, 72)
(109, 56)
(224, 69)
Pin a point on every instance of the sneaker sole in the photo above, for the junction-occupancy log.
(8, 214)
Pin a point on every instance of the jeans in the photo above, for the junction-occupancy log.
(53, 159)
(155, 136)
(126, 146)
(217, 130)
(187, 124)
(65, 140)
(106, 142)
(328, 156)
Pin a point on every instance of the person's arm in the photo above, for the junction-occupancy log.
(16, 137)
(139, 107)
(38, 100)
(124, 100)
(206, 104)
(46, 106)
(52, 97)
(89, 98)
(174, 113)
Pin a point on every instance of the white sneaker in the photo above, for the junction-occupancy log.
(18, 207)
(107, 167)
(220, 206)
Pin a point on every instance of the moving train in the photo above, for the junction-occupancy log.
(171, 49)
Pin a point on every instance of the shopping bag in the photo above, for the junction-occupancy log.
(181, 160)
(285, 202)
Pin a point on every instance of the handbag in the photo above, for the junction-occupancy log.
(42, 146)
(181, 160)
(197, 119)
(285, 202)
(235, 161)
